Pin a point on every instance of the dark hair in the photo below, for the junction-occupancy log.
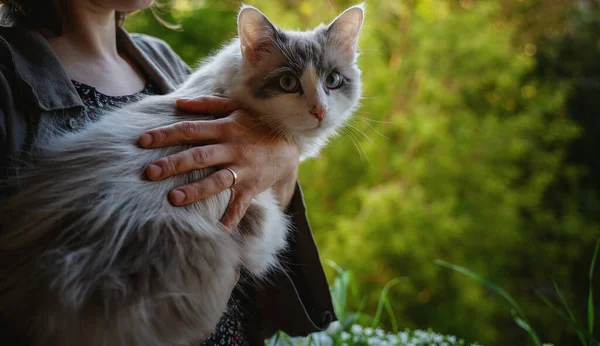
(44, 14)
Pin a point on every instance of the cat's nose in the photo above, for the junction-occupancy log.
(318, 111)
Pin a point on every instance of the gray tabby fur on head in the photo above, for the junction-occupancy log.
(253, 73)
(92, 253)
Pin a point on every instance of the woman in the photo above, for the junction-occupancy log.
(62, 61)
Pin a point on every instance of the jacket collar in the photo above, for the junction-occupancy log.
(37, 65)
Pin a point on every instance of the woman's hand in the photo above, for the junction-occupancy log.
(235, 140)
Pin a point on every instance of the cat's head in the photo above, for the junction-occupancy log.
(305, 84)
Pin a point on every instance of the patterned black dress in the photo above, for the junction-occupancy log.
(230, 330)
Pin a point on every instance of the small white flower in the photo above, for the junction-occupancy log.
(356, 329)
(334, 328)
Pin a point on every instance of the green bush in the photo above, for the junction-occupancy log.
(462, 150)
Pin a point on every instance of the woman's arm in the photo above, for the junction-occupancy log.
(7, 119)
(4, 95)
(3, 148)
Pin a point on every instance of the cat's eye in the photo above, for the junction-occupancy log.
(288, 83)
(334, 80)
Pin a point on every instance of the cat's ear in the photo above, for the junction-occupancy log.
(256, 33)
(343, 31)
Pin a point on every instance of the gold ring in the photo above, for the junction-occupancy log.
(235, 176)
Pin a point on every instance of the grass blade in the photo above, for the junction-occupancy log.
(591, 294)
(390, 312)
(569, 311)
(580, 330)
(339, 290)
(525, 326)
(489, 284)
(343, 291)
(382, 298)
(521, 321)
(335, 266)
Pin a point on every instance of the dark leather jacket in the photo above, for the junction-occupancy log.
(35, 89)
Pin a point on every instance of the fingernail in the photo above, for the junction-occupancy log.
(177, 196)
(146, 139)
(154, 171)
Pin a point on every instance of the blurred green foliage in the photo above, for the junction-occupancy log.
(476, 143)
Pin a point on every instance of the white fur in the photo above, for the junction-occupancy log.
(259, 255)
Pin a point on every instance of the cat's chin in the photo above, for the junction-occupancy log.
(315, 131)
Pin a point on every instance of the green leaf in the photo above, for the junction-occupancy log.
(591, 292)
(390, 311)
(525, 326)
(569, 311)
(382, 298)
(489, 284)
(580, 330)
(519, 316)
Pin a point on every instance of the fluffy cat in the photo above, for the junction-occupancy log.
(91, 254)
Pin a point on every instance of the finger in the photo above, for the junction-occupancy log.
(236, 210)
(183, 132)
(189, 160)
(210, 105)
(201, 189)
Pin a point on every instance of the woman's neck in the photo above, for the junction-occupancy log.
(89, 32)
(88, 50)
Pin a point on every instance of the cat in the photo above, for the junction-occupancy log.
(89, 254)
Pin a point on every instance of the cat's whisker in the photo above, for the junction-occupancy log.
(358, 131)
(283, 51)
(373, 128)
(281, 131)
(271, 131)
(258, 124)
(372, 120)
(276, 116)
(354, 142)
(361, 151)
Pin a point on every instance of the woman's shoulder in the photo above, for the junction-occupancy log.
(153, 44)
(159, 52)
